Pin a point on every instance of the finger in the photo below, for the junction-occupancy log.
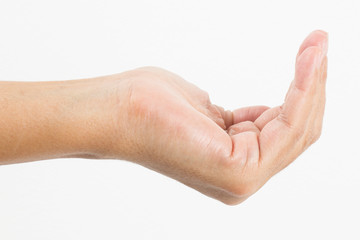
(248, 113)
(266, 117)
(312, 131)
(246, 148)
(226, 115)
(316, 38)
(243, 127)
(241, 114)
(282, 139)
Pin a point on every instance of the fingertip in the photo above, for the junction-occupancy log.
(306, 65)
(319, 32)
(316, 38)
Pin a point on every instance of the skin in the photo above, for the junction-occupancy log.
(155, 118)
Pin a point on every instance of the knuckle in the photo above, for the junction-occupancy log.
(310, 138)
(298, 133)
(307, 140)
(236, 185)
(231, 200)
(316, 136)
(204, 99)
(241, 190)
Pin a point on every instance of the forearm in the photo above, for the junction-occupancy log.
(43, 120)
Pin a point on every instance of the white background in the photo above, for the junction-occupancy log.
(242, 53)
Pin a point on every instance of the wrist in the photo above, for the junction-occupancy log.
(102, 120)
(95, 117)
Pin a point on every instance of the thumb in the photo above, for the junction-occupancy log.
(283, 138)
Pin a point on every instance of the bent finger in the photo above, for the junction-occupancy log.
(248, 113)
(266, 117)
(243, 127)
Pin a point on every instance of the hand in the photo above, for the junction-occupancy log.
(170, 126)
(155, 118)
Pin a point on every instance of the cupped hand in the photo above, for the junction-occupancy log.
(169, 125)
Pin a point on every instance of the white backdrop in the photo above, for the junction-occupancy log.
(242, 53)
